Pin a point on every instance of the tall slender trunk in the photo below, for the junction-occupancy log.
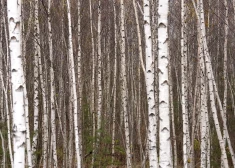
(26, 106)
(36, 83)
(79, 80)
(184, 87)
(139, 37)
(41, 75)
(203, 105)
(52, 85)
(3, 151)
(93, 84)
(71, 133)
(175, 158)
(73, 89)
(225, 76)
(140, 66)
(152, 130)
(211, 82)
(124, 87)
(17, 79)
(8, 119)
(99, 71)
(165, 159)
(114, 83)
(5, 112)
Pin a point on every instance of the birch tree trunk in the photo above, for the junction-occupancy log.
(226, 24)
(8, 120)
(152, 130)
(99, 84)
(124, 87)
(26, 105)
(2, 115)
(4, 90)
(140, 66)
(40, 75)
(165, 159)
(17, 79)
(79, 80)
(139, 37)
(203, 106)
(93, 84)
(1, 68)
(28, 140)
(52, 85)
(115, 83)
(184, 99)
(36, 83)
(210, 77)
(4, 151)
(73, 89)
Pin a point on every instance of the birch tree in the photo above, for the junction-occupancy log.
(17, 79)
(115, 84)
(210, 80)
(165, 159)
(5, 105)
(73, 89)
(99, 75)
(123, 87)
(52, 86)
(98, 98)
(226, 24)
(93, 83)
(79, 79)
(186, 138)
(203, 104)
(36, 83)
(152, 130)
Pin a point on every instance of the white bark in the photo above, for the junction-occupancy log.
(71, 133)
(26, 107)
(184, 87)
(36, 84)
(115, 83)
(208, 148)
(39, 74)
(93, 84)
(4, 91)
(28, 140)
(3, 151)
(225, 76)
(52, 84)
(79, 80)
(99, 82)
(124, 87)
(8, 120)
(139, 37)
(211, 82)
(165, 159)
(203, 105)
(17, 79)
(73, 89)
(45, 112)
(152, 130)
(99, 74)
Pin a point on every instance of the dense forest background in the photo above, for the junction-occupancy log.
(88, 95)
